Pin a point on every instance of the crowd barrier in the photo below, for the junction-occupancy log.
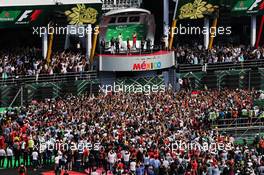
(17, 80)
(248, 64)
(242, 127)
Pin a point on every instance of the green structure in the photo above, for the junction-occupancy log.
(16, 95)
(243, 79)
(127, 31)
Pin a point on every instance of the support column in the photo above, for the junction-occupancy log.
(88, 42)
(166, 17)
(44, 44)
(253, 34)
(173, 25)
(207, 34)
(95, 36)
(213, 33)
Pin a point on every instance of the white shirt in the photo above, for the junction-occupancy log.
(57, 159)
(111, 157)
(133, 166)
(126, 157)
(2, 152)
(94, 173)
(23, 145)
(35, 155)
(9, 152)
(166, 163)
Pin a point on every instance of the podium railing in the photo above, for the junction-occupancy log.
(119, 4)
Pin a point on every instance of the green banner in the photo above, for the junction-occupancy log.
(127, 31)
(9, 15)
(248, 7)
(195, 9)
(24, 16)
(242, 5)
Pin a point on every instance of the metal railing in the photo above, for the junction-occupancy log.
(120, 4)
(238, 122)
(242, 127)
(18, 80)
(134, 51)
(220, 66)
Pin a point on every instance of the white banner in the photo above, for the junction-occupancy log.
(155, 61)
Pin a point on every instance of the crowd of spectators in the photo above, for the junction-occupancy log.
(29, 61)
(133, 134)
(197, 54)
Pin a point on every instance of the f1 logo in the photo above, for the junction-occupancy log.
(24, 15)
(254, 5)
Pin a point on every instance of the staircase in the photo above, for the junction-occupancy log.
(120, 4)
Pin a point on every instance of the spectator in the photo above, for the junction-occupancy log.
(35, 157)
(111, 160)
(2, 157)
(9, 155)
(133, 166)
(134, 132)
(22, 170)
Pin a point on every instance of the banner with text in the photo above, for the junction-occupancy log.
(24, 16)
(148, 62)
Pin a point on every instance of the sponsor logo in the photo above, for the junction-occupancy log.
(254, 5)
(9, 16)
(28, 16)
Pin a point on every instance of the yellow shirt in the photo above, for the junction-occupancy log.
(30, 143)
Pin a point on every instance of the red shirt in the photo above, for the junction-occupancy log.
(194, 165)
(119, 155)
(85, 152)
(151, 154)
(24, 129)
(134, 38)
(2, 141)
(120, 166)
